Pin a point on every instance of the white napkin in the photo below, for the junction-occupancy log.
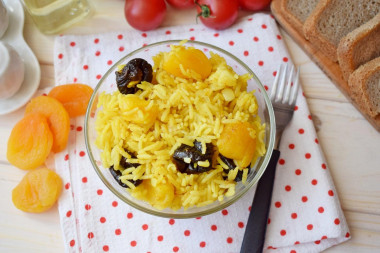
(305, 214)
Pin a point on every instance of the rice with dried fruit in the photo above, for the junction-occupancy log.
(177, 111)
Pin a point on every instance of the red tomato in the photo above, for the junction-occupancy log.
(217, 14)
(145, 15)
(254, 5)
(181, 4)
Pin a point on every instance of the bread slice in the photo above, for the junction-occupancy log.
(377, 122)
(331, 20)
(297, 11)
(359, 46)
(364, 86)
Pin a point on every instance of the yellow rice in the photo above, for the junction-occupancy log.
(189, 109)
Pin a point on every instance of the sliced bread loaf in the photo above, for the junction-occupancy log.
(331, 20)
(359, 46)
(364, 85)
(297, 11)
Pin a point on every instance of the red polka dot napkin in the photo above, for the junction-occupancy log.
(305, 214)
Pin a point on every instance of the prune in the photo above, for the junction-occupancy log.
(194, 154)
(117, 173)
(231, 165)
(126, 165)
(136, 70)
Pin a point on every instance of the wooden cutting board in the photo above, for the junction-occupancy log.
(330, 68)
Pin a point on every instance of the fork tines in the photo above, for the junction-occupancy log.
(282, 91)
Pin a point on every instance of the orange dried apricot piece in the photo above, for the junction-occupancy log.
(57, 116)
(139, 111)
(30, 142)
(190, 59)
(74, 97)
(37, 191)
(236, 143)
(160, 196)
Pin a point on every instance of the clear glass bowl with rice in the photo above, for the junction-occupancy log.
(179, 129)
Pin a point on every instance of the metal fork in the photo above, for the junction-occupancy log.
(283, 96)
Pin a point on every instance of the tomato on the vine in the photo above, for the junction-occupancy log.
(254, 5)
(181, 4)
(145, 15)
(217, 14)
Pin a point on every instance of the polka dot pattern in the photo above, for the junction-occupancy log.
(303, 197)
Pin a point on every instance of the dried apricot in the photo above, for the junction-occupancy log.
(160, 196)
(74, 97)
(181, 60)
(139, 111)
(236, 142)
(57, 116)
(30, 142)
(37, 191)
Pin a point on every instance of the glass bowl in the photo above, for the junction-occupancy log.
(107, 84)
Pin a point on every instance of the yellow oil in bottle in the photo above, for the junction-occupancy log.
(53, 16)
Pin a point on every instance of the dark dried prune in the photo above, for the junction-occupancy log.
(136, 70)
(194, 154)
(117, 173)
(126, 165)
(231, 165)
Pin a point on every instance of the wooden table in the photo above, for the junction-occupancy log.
(350, 144)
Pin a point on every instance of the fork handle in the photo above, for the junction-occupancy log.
(254, 237)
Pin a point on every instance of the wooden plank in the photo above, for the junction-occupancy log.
(365, 234)
(356, 173)
(47, 76)
(25, 232)
(331, 68)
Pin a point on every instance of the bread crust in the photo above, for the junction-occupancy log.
(295, 22)
(367, 35)
(331, 20)
(290, 17)
(377, 120)
(357, 84)
(311, 33)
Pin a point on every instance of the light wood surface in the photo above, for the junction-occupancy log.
(351, 145)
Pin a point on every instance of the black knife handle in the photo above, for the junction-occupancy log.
(254, 237)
